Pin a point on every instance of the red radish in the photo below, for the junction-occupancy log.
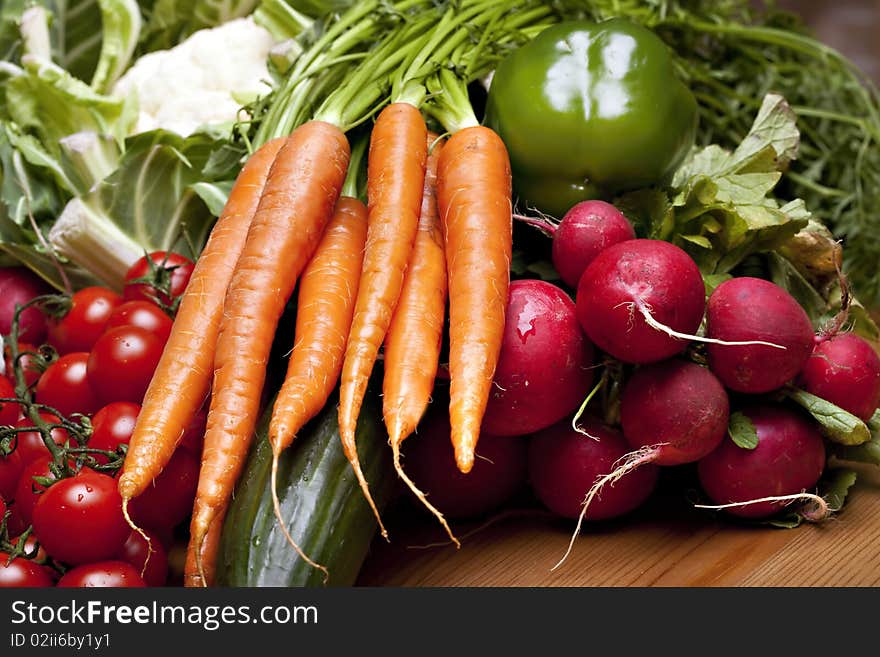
(752, 309)
(18, 285)
(630, 286)
(586, 229)
(545, 366)
(499, 469)
(788, 460)
(564, 464)
(672, 412)
(676, 409)
(845, 370)
(2, 509)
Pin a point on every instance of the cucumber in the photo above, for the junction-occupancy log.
(321, 501)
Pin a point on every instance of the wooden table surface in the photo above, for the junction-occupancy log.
(665, 543)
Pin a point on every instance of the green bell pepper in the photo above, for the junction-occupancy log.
(589, 110)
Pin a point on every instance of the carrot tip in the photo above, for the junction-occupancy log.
(143, 534)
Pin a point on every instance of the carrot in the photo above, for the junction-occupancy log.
(182, 378)
(395, 176)
(297, 202)
(210, 549)
(412, 345)
(325, 306)
(473, 194)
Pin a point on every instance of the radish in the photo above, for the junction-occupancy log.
(642, 300)
(845, 370)
(545, 366)
(747, 309)
(18, 285)
(586, 229)
(672, 412)
(788, 460)
(564, 464)
(499, 470)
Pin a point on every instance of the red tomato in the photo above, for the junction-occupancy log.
(78, 330)
(165, 280)
(169, 500)
(27, 492)
(28, 364)
(9, 411)
(30, 443)
(29, 546)
(194, 435)
(112, 426)
(144, 314)
(79, 519)
(122, 363)
(11, 466)
(115, 574)
(135, 552)
(65, 386)
(22, 573)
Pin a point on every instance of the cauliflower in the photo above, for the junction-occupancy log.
(197, 82)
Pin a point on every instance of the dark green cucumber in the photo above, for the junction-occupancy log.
(324, 508)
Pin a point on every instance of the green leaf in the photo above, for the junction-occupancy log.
(53, 104)
(835, 485)
(281, 19)
(786, 276)
(742, 431)
(649, 211)
(836, 424)
(774, 126)
(867, 452)
(121, 23)
(214, 194)
(149, 203)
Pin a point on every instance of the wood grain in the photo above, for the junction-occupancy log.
(665, 544)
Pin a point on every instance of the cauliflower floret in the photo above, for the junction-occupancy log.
(193, 83)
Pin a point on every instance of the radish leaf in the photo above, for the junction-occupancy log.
(742, 431)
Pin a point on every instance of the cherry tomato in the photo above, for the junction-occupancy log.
(27, 493)
(169, 500)
(9, 411)
(115, 574)
(144, 314)
(135, 552)
(28, 363)
(112, 426)
(30, 443)
(22, 573)
(79, 519)
(11, 466)
(162, 285)
(194, 435)
(65, 386)
(122, 363)
(78, 330)
(30, 543)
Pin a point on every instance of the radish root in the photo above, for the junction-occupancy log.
(815, 507)
(645, 310)
(276, 504)
(583, 407)
(625, 464)
(395, 451)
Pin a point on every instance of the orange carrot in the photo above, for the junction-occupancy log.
(473, 194)
(182, 378)
(297, 202)
(325, 306)
(210, 550)
(395, 176)
(412, 345)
